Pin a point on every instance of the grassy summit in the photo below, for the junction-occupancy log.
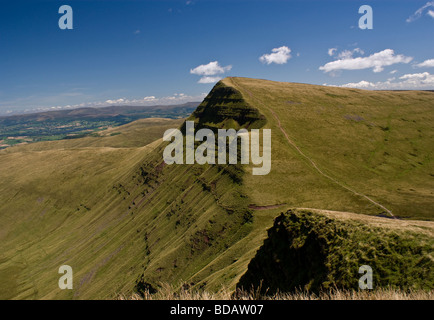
(376, 143)
(110, 208)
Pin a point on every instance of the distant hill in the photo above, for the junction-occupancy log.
(351, 172)
(81, 122)
(163, 111)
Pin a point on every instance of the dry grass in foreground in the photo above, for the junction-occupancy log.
(168, 292)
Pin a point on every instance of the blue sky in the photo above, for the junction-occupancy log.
(151, 52)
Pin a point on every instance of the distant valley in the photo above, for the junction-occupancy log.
(81, 122)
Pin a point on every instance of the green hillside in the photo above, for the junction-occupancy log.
(111, 208)
(376, 143)
(334, 245)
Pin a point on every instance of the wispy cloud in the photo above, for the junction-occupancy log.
(412, 81)
(279, 55)
(376, 61)
(346, 54)
(332, 51)
(209, 71)
(420, 11)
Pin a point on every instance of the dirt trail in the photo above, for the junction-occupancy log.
(306, 157)
(272, 206)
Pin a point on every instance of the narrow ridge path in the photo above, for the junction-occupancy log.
(306, 157)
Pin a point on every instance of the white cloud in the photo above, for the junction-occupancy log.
(137, 31)
(430, 13)
(279, 56)
(419, 80)
(361, 85)
(420, 11)
(413, 76)
(393, 71)
(210, 69)
(150, 98)
(117, 101)
(376, 61)
(208, 72)
(413, 81)
(427, 63)
(209, 79)
(332, 51)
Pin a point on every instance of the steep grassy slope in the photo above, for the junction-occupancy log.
(225, 107)
(123, 220)
(50, 195)
(115, 215)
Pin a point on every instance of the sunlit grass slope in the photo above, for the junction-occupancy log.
(47, 193)
(125, 221)
(377, 143)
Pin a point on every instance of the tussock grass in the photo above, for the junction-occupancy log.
(169, 292)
